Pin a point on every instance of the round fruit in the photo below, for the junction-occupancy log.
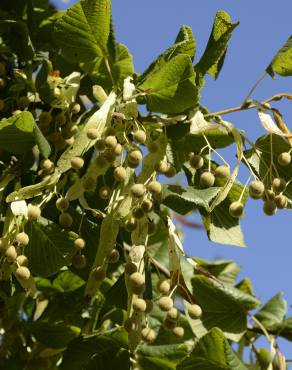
(79, 244)
(22, 272)
(22, 238)
(120, 174)
(139, 136)
(165, 303)
(139, 305)
(100, 145)
(269, 207)
(3, 245)
(131, 224)
(265, 358)
(105, 192)
(99, 273)
(22, 260)
(65, 220)
(256, 189)
(137, 283)
(11, 253)
(23, 102)
(162, 166)
(75, 108)
(110, 142)
(207, 179)
(79, 261)
(172, 314)
(33, 212)
(171, 171)
(92, 133)
(138, 212)
(153, 147)
(178, 331)
(70, 141)
(77, 163)
(148, 335)
(236, 209)
(114, 256)
(194, 311)
(89, 184)
(154, 187)
(284, 159)
(62, 204)
(135, 156)
(118, 149)
(169, 324)
(47, 165)
(222, 171)
(268, 195)
(281, 201)
(196, 161)
(138, 190)
(279, 185)
(163, 287)
(130, 268)
(147, 205)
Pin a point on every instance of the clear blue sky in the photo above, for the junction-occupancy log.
(148, 28)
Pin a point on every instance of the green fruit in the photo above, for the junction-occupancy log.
(172, 314)
(281, 201)
(62, 204)
(264, 357)
(33, 212)
(139, 305)
(120, 174)
(279, 185)
(79, 244)
(163, 287)
(178, 331)
(47, 165)
(154, 187)
(92, 133)
(100, 145)
(11, 253)
(135, 156)
(105, 192)
(22, 238)
(22, 260)
(137, 283)
(45, 118)
(236, 209)
(153, 147)
(138, 212)
(99, 273)
(65, 220)
(23, 102)
(222, 171)
(256, 189)
(171, 171)
(118, 149)
(131, 224)
(110, 142)
(146, 205)
(22, 272)
(130, 268)
(75, 108)
(169, 324)
(77, 163)
(162, 167)
(207, 179)
(270, 207)
(139, 136)
(89, 184)
(284, 159)
(196, 161)
(114, 256)
(165, 303)
(79, 261)
(138, 190)
(148, 335)
(194, 311)
(3, 245)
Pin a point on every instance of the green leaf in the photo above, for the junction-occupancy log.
(49, 248)
(42, 142)
(67, 282)
(245, 285)
(184, 44)
(273, 312)
(223, 306)
(41, 82)
(171, 88)
(225, 270)
(83, 31)
(185, 199)
(54, 335)
(282, 61)
(212, 352)
(283, 328)
(213, 58)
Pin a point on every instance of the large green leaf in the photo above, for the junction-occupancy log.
(66, 281)
(49, 248)
(212, 352)
(282, 61)
(185, 199)
(283, 328)
(184, 44)
(223, 306)
(171, 88)
(83, 31)
(273, 312)
(225, 270)
(212, 60)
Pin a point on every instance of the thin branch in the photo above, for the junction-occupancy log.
(249, 105)
(255, 86)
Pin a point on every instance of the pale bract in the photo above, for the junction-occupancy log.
(19, 208)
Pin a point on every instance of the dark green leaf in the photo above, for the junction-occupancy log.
(283, 328)
(282, 61)
(67, 282)
(42, 142)
(273, 312)
(225, 270)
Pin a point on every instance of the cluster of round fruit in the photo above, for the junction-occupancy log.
(207, 177)
(284, 159)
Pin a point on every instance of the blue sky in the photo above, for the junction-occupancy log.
(148, 28)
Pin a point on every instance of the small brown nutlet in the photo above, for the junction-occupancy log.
(99, 273)
(114, 256)
(62, 204)
(65, 220)
(79, 261)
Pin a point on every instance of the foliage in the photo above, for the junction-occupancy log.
(93, 273)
